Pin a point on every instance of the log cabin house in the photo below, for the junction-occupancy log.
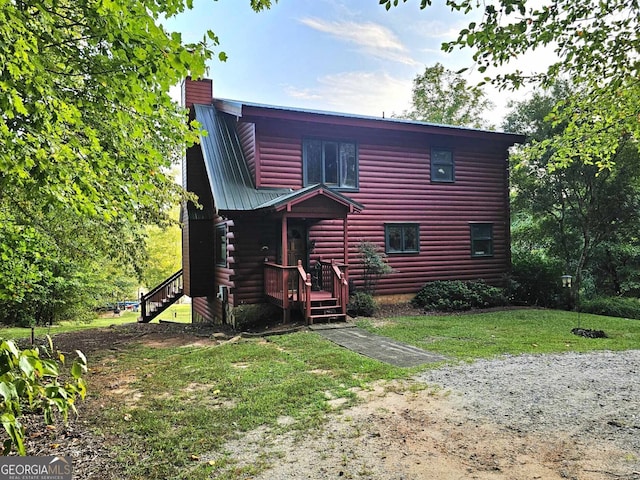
(288, 194)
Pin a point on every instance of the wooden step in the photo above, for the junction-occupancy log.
(329, 316)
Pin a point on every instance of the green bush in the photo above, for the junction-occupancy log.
(29, 381)
(361, 303)
(535, 280)
(458, 295)
(612, 307)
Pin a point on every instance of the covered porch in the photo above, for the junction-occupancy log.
(316, 285)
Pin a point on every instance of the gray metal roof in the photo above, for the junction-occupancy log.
(231, 182)
(326, 191)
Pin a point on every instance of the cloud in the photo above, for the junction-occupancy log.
(363, 93)
(372, 38)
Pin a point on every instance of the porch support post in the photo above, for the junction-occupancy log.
(285, 273)
(283, 236)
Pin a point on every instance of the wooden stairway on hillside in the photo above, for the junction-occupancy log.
(161, 297)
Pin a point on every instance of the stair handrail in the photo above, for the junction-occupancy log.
(340, 286)
(161, 285)
(153, 295)
(304, 291)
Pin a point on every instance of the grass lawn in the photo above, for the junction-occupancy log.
(175, 313)
(189, 401)
(485, 335)
(178, 406)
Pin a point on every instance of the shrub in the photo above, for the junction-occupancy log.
(30, 380)
(362, 303)
(458, 295)
(612, 307)
(535, 280)
(374, 265)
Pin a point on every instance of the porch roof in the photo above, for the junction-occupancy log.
(229, 177)
(298, 196)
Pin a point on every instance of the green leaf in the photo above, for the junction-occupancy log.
(8, 391)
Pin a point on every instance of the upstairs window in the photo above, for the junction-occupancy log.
(402, 238)
(332, 163)
(481, 239)
(442, 166)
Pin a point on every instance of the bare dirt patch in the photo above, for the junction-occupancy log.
(400, 431)
(402, 435)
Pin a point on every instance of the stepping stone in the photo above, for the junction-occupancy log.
(379, 348)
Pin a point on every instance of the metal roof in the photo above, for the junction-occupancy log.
(231, 182)
(235, 107)
(306, 192)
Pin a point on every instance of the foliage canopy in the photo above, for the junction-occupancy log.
(586, 217)
(88, 133)
(597, 46)
(444, 97)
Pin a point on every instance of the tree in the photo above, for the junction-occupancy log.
(164, 254)
(88, 134)
(444, 97)
(572, 212)
(596, 44)
(56, 265)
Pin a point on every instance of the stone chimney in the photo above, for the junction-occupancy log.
(197, 91)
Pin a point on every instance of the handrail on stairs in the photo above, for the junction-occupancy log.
(161, 296)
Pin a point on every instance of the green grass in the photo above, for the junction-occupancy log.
(485, 335)
(175, 313)
(180, 405)
(193, 400)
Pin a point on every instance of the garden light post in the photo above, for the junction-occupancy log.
(567, 281)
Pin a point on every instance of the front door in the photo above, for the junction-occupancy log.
(297, 244)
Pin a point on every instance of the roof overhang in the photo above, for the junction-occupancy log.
(252, 111)
(289, 202)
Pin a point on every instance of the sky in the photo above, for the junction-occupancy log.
(350, 56)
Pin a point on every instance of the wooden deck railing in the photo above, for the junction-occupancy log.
(288, 287)
(157, 300)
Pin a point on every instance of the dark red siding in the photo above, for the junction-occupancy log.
(250, 234)
(206, 310)
(197, 91)
(247, 136)
(395, 186)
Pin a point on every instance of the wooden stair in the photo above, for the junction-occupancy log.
(325, 309)
(161, 297)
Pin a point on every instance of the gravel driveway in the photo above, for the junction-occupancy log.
(572, 415)
(595, 395)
